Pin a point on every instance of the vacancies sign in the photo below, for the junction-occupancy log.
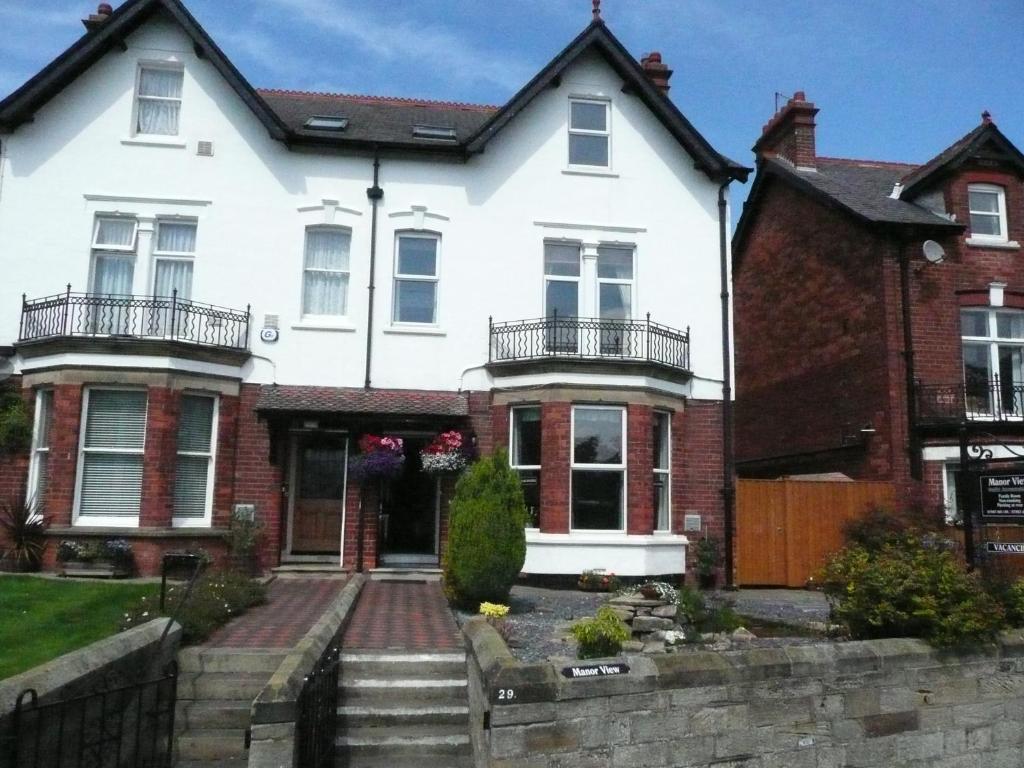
(1002, 496)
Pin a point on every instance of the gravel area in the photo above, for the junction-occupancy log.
(539, 618)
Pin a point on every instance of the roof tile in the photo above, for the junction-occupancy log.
(404, 402)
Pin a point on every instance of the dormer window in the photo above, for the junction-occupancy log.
(987, 204)
(589, 133)
(158, 100)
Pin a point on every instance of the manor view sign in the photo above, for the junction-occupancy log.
(595, 670)
(1002, 496)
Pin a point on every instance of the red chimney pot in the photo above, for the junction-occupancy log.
(657, 72)
(790, 133)
(104, 9)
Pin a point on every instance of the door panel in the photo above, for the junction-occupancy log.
(319, 496)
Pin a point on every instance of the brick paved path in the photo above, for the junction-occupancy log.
(405, 615)
(292, 607)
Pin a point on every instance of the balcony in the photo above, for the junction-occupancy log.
(133, 324)
(547, 343)
(992, 401)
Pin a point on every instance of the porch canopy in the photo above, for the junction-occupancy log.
(375, 402)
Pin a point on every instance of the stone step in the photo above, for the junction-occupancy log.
(216, 744)
(388, 761)
(354, 716)
(403, 665)
(213, 715)
(226, 686)
(399, 692)
(426, 742)
(227, 762)
(230, 660)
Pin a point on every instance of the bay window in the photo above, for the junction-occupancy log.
(193, 479)
(524, 456)
(158, 100)
(661, 440)
(110, 457)
(598, 468)
(987, 205)
(326, 272)
(416, 276)
(993, 353)
(38, 472)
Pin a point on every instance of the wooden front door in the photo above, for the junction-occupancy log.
(318, 494)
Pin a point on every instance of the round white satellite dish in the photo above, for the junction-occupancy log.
(934, 252)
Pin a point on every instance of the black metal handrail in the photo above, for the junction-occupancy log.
(976, 400)
(316, 721)
(589, 339)
(117, 316)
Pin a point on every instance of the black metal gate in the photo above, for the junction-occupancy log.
(123, 727)
(317, 717)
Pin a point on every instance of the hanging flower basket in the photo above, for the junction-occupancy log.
(447, 454)
(379, 458)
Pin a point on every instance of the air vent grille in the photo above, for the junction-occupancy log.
(205, 149)
(271, 321)
(691, 523)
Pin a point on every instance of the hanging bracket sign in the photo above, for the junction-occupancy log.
(1005, 547)
(1002, 495)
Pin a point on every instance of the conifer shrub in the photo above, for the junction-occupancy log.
(601, 636)
(486, 534)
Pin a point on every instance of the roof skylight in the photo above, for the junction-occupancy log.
(435, 132)
(327, 123)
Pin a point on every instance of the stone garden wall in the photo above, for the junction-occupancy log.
(874, 704)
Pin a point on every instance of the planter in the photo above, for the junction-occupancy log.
(99, 569)
(650, 592)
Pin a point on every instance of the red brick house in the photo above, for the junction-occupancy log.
(860, 346)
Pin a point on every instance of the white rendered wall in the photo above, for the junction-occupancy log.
(493, 214)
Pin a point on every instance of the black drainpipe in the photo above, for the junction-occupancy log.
(908, 362)
(728, 484)
(375, 193)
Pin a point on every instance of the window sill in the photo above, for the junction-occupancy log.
(1006, 245)
(414, 331)
(192, 524)
(315, 325)
(168, 142)
(608, 174)
(105, 522)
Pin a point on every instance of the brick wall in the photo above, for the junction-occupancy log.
(258, 474)
(556, 442)
(639, 469)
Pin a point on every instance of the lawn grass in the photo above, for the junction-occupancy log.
(44, 618)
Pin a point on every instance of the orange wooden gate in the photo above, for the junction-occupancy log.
(785, 529)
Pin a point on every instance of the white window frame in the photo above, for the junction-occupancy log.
(599, 281)
(187, 256)
(1000, 192)
(211, 471)
(435, 279)
(164, 65)
(665, 473)
(578, 279)
(607, 132)
(32, 486)
(344, 316)
(538, 468)
(113, 521)
(993, 341)
(107, 247)
(623, 467)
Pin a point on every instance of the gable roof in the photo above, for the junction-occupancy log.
(959, 152)
(373, 122)
(597, 36)
(21, 105)
(861, 188)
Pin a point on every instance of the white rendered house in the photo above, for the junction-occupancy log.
(212, 292)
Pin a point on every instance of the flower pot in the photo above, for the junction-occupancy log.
(650, 592)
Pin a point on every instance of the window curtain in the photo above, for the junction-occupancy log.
(325, 283)
(173, 237)
(115, 232)
(173, 274)
(113, 274)
(112, 482)
(159, 113)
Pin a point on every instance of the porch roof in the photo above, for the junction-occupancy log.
(353, 400)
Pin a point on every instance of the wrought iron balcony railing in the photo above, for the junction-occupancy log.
(110, 316)
(978, 400)
(589, 339)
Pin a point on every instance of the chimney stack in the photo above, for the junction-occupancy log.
(96, 20)
(790, 133)
(657, 72)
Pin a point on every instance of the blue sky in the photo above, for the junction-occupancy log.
(894, 80)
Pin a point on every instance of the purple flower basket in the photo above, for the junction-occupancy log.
(376, 465)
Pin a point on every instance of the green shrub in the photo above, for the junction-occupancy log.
(690, 607)
(906, 589)
(15, 424)
(217, 597)
(693, 611)
(1014, 604)
(878, 527)
(24, 535)
(600, 636)
(486, 534)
